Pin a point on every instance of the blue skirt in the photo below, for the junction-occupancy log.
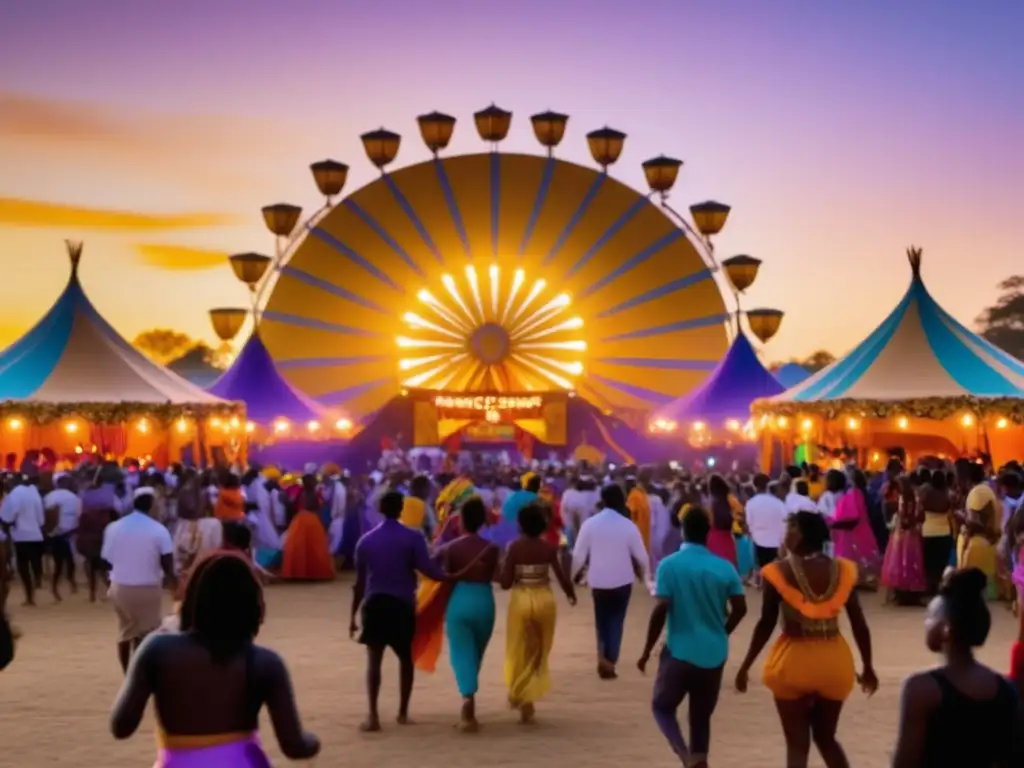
(469, 622)
(744, 555)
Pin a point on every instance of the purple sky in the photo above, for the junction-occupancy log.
(841, 132)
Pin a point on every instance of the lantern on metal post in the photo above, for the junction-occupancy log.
(764, 323)
(249, 268)
(330, 177)
(227, 321)
(549, 128)
(741, 271)
(436, 128)
(709, 217)
(381, 147)
(492, 124)
(281, 218)
(661, 173)
(605, 146)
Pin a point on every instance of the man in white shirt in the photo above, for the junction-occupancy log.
(141, 557)
(610, 548)
(799, 499)
(766, 519)
(23, 513)
(578, 504)
(66, 508)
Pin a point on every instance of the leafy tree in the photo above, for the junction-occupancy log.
(1003, 322)
(818, 360)
(162, 345)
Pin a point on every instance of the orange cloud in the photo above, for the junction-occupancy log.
(36, 213)
(180, 257)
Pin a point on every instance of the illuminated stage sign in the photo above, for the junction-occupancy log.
(477, 406)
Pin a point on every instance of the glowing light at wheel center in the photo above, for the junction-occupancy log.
(493, 335)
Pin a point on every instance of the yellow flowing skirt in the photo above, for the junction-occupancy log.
(530, 633)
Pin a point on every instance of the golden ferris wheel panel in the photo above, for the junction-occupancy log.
(497, 272)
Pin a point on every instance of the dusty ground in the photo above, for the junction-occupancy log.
(55, 696)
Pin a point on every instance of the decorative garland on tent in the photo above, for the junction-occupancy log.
(117, 413)
(938, 408)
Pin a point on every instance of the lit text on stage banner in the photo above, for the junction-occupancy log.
(505, 407)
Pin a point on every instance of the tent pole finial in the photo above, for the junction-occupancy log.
(75, 254)
(914, 257)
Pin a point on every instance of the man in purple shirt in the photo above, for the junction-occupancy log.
(387, 561)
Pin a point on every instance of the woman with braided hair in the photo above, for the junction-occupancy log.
(210, 681)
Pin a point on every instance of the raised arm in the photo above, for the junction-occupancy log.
(295, 743)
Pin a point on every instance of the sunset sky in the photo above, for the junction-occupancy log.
(840, 132)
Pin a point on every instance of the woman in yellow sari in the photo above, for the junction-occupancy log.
(530, 627)
(977, 545)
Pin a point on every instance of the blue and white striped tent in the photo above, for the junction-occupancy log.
(919, 351)
(73, 355)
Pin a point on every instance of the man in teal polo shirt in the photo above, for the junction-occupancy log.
(701, 596)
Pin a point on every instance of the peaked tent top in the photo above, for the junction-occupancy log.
(253, 378)
(918, 351)
(737, 380)
(73, 355)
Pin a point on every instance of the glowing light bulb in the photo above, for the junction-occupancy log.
(313, 426)
(1002, 424)
(699, 426)
(182, 425)
(250, 427)
(343, 424)
(71, 427)
(425, 297)
(14, 424)
(215, 422)
(235, 422)
(903, 422)
(562, 300)
(574, 368)
(281, 426)
(967, 420)
(733, 425)
(78, 449)
(142, 426)
(852, 423)
(493, 271)
(782, 421)
(806, 424)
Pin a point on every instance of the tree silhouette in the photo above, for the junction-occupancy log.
(162, 345)
(1003, 322)
(816, 361)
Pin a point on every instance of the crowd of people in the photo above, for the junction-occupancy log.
(428, 548)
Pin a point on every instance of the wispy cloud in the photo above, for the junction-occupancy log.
(36, 213)
(180, 258)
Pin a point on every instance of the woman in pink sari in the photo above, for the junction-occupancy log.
(852, 534)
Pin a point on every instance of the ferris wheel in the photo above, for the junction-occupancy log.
(495, 272)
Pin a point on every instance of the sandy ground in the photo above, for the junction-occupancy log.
(55, 696)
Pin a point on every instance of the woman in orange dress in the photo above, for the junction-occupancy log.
(810, 669)
(307, 555)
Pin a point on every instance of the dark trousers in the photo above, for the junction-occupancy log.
(29, 555)
(63, 558)
(765, 555)
(676, 680)
(610, 606)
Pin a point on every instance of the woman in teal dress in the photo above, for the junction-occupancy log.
(469, 618)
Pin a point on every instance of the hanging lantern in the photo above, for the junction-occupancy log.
(330, 176)
(493, 123)
(549, 128)
(281, 218)
(381, 146)
(227, 322)
(741, 271)
(764, 323)
(436, 129)
(709, 217)
(661, 173)
(606, 146)
(249, 267)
